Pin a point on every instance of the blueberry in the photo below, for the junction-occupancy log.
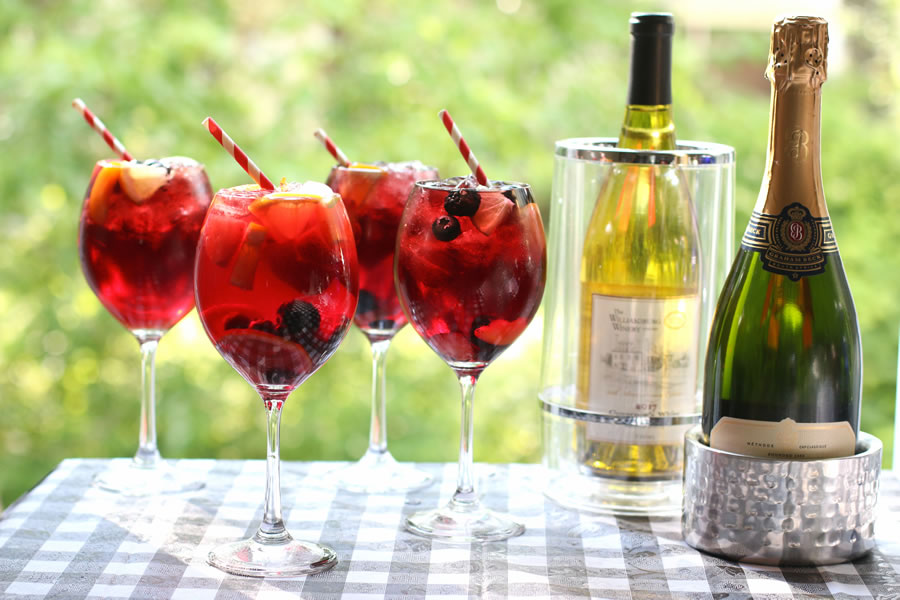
(446, 228)
(462, 203)
(237, 322)
(300, 320)
(267, 326)
(366, 303)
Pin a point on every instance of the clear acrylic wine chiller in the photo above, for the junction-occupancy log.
(581, 165)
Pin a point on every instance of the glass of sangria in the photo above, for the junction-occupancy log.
(137, 236)
(470, 268)
(276, 289)
(374, 196)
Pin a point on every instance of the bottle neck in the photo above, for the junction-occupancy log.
(648, 123)
(793, 159)
(648, 128)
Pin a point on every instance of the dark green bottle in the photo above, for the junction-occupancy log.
(784, 362)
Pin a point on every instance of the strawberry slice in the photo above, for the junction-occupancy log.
(491, 212)
(501, 332)
(534, 225)
(227, 236)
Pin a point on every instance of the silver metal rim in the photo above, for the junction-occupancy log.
(569, 412)
(698, 154)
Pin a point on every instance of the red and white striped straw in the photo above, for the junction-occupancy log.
(332, 148)
(467, 154)
(100, 128)
(239, 156)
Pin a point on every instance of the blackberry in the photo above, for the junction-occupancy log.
(300, 322)
(299, 317)
(446, 228)
(462, 203)
(267, 326)
(237, 322)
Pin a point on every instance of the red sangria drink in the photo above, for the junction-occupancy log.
(470, 269)
(374, 195)
(137, 237)
(276, 287)
(139, 229)
(276, 281)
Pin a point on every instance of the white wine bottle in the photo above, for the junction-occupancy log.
(640, 287)
(784, 362)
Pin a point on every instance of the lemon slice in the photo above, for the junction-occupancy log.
(286, 215)
(141, 181)
(104, 182)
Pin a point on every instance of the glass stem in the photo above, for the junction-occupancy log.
(378, 425)
(272, 530)
(148, 454)
(465, 495)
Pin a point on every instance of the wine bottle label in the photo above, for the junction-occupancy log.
(784, 439)
(643, 362)
(793, 243)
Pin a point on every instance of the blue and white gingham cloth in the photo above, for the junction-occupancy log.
(66, 539)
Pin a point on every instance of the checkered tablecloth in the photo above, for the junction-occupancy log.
(66, 539)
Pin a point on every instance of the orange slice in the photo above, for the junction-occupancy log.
(248, 257)
(491, 212)
(286, 214)
(104, 182)
(141, 181)
(359, 165)
(256, 354)
(501, 332)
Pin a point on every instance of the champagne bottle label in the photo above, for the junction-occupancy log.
(642, 361)
(785, 439)
(792, 243)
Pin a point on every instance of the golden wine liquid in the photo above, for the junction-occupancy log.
(639, 318)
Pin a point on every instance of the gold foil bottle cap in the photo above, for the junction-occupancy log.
(798, 51)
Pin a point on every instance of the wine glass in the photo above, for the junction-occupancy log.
(137, 236)
(374, 195)
(276, 288)
(470, 268)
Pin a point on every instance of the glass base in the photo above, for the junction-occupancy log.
(609, 496)
(132, 479)
(288, 558)
(463, 524)
(380, 473)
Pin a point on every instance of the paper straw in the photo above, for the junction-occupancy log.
(332, 148)
(239, 156)
(467, 154)
(100, 128)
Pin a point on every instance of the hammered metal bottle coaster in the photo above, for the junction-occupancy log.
(780, 512)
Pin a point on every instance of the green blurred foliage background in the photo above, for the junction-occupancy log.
(516, 74)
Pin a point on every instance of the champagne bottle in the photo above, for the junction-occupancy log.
(640, 287)
(784, 362)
